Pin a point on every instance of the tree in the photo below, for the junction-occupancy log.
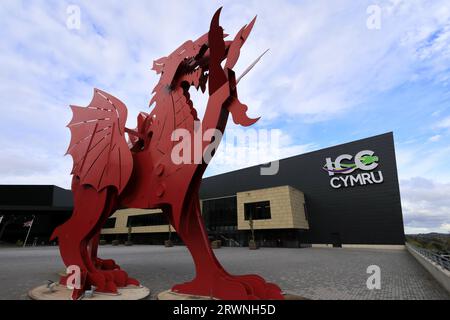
(250, 222)
(252, 243)
(168, 243)
(129, 242)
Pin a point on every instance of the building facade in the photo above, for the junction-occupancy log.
(34, 210)
(346, 195)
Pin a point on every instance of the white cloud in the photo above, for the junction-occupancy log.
(444, 123)
(424, 160)
(445, 227)
(435, 138)
(417, 230)
(424, 185)
(426, 205)
(241, 148)
(325, 62)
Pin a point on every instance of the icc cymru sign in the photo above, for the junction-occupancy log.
(349, 171)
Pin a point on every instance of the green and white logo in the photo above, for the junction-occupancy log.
(345, 164)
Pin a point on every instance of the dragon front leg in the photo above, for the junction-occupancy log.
(211, 279)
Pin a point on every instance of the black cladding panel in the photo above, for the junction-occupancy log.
(35, 195)
(369, 214)
(62, 197)
(26, 195)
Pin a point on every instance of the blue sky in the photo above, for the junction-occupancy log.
(327, 79)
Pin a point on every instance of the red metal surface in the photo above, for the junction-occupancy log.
(109, 173)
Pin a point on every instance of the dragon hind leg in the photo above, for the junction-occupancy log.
(102, 264)
(75, 235)
(108, 266)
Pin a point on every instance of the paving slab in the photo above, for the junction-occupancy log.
(313, 273)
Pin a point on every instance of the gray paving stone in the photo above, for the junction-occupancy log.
(313, 273)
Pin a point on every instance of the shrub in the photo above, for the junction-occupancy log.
(252, 245)
(216, 244)
(168, 243)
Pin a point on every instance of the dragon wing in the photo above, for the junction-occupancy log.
(101, 156)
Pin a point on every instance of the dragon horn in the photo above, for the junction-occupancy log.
(216, 44)
(250, 67)
(248, 29)
(236, 45)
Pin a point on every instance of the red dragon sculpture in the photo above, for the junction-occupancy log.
(110, 173)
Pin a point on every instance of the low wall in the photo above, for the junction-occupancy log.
(440, 274)
(363, 246)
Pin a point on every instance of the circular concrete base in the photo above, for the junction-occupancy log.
(170, 295)
(63, 293)
(289, 296)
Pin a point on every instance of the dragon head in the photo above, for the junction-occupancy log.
(193, 62)
(185, 62)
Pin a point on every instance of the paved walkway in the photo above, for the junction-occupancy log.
(312, 273)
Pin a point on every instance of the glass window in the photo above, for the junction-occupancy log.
(110, 223)
(143, 220)
(220, 214)
(257, 210)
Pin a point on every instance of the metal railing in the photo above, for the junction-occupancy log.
(231, 242)
(443, 262)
